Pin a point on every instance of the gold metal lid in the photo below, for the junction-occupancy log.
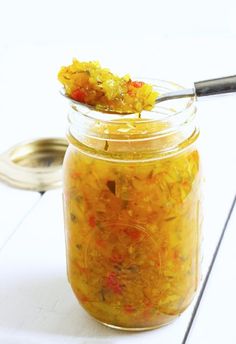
(34, 165)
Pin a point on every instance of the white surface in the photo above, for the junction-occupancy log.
(217, 121)
(15, 205)
(215, 320)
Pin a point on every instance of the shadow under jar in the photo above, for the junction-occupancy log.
(132, 212)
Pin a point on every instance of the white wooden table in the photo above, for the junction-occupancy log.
(36, 303)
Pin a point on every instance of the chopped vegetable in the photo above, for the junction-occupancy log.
(106, 146)
(88, 83)
(111, 184)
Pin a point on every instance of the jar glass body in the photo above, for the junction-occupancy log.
(132, 214)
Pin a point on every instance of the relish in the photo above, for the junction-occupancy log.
(132, 225)
(88, 83)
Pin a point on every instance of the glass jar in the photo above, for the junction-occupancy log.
(132, 212)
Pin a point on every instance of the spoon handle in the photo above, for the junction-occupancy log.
(215, 86)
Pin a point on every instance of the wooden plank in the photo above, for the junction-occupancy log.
(215, 319)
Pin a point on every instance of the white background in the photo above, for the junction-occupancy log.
(183, 41)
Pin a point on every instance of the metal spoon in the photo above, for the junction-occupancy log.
(200, 89)
(203, 89)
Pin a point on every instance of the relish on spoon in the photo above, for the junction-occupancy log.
(88, 83)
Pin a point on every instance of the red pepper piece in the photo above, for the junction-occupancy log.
(129, 308)
(75, 175)
(117, 258)
(101, 243)
(137, 84)
(134, 234)
(113, 283)
(92, 221)
(78, 95)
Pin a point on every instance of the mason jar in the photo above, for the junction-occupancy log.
(132, 201)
